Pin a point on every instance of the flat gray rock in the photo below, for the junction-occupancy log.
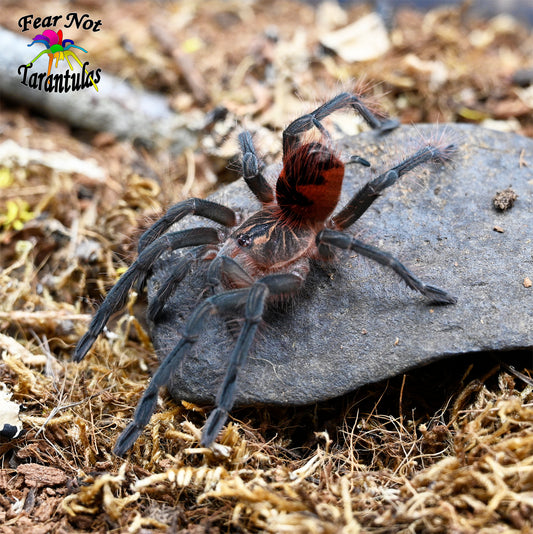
(355, 322)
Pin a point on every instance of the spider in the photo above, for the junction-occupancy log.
(265, 258)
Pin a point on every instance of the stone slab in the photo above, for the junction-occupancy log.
(355, 323)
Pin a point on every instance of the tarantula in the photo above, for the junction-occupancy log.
(267, 257)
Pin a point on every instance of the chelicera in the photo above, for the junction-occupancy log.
(265, 258)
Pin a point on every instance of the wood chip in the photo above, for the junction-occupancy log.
(42, 475)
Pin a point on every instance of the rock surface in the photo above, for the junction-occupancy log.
(355, 322)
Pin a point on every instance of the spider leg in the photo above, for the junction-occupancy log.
(254, 298)
(137, 273)
(252, 170)
(221, 303)
(69, 64)
(293, 132)
(364, 198)
(347, 242)
(180, 269)
(192, 206)
(271, 285)
(223, 265)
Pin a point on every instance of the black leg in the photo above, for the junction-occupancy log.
(137, 272)
(344, 241)
(364, 198)
(253, 315)
(220, 303)
(251, 170)
(253, 298)
(293, 132)
(180, 269)
(192, 206)
(271, 285)
(224, 266)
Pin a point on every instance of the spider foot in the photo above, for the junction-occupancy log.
(438, 295)
(127, 438)
(214, 425)
(387, 125)
(144, 411)
(84, 345)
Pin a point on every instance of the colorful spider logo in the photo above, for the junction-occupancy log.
(57, 48)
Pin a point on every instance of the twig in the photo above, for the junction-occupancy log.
(38, 319)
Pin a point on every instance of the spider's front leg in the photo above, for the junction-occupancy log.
(151, 245)
(136, 274)
(221, 303)
(253, 298)
(293, 132)
(180, 268)
(192, 206)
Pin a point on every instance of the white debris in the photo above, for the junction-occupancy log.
(10, 424)
(509, 125)
(12, 153)
(436, 70)
(362, 40)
